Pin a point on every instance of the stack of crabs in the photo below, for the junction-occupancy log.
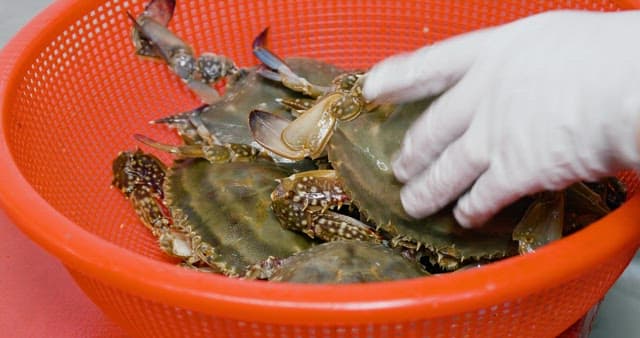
(286, 177)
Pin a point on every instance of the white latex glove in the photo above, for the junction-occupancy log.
(533, 105)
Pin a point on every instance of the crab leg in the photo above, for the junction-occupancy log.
(296, 105)
(176, 53)
(152, 38)
(305, 202)
(276, 69)
(190, 126)
(542, 223)
(212, 152)
(586, 206)
(140, 178)
(160, 12)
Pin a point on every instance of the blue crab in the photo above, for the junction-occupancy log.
(213, 216)
(223, 119)
(360, 148)
(340, 262)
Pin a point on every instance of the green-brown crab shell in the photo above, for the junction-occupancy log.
(347, 261)
(227, 119)
(361, 151)
(227, 207)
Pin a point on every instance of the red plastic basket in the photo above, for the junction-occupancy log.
(72, 94)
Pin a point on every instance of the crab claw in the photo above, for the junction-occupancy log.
(171, 48)
(276, 69)
(132, 170)
(266, 56)
(140, 177)
(305, 136)
(309, 202)
(158, 11)
(153, 39)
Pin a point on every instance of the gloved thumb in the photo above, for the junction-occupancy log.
(425, 72)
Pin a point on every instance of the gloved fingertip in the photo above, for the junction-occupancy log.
(399, 170)
(414, 204)
(462, 218)
(373, 84)
(466, 220)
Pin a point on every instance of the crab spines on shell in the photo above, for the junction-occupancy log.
(223, 208)
(265, 269)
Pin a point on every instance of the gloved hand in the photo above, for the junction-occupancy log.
(533, 105)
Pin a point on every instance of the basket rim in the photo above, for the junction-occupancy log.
(405, 300)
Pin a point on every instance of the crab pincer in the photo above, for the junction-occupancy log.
(153, 39)
(137, 171)
(140, 177)
(309, 202)
(274, 68)
(159, 12)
